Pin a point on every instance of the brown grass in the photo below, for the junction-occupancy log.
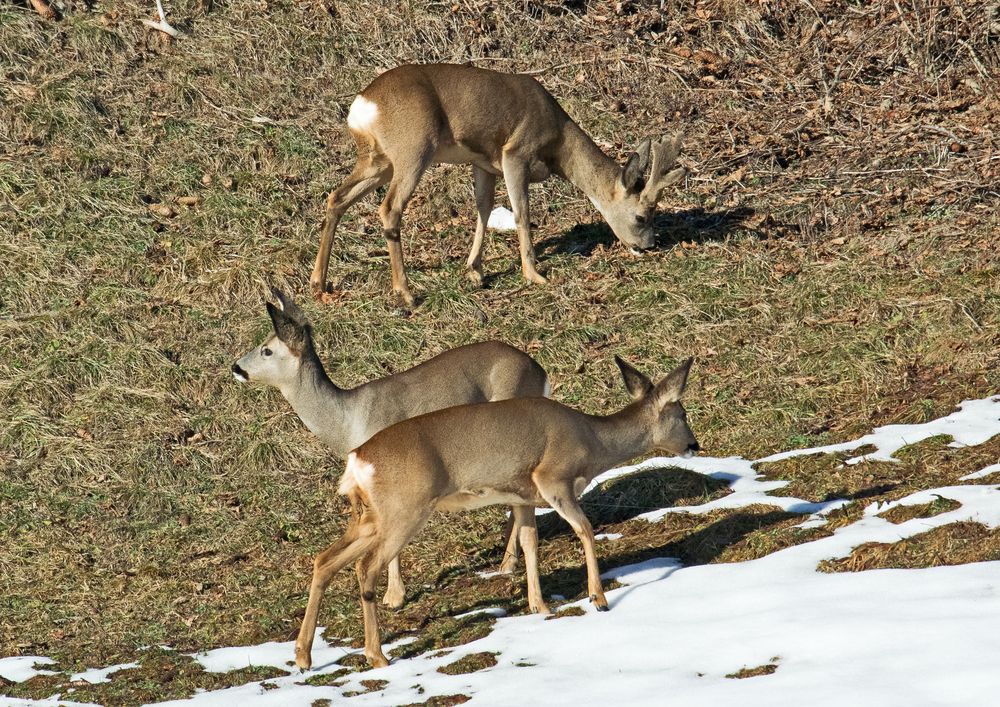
(901, 514)
(766, 669)
(953, 544)
(469, 664)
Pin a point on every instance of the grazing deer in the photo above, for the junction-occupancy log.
(344, 419)
(526, 453)
(503, 125)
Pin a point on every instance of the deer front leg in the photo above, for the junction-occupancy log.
(563, 501)
(485, 185)
(516, 176)
(524, 519)
(395, 593)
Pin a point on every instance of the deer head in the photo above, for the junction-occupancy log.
(278, 360)
(648, 171)
(670, 432)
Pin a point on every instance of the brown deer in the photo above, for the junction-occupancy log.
(526, 453)
(345, 418)
(505, 125)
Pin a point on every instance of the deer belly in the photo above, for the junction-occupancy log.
(469, 500)
(458, 154)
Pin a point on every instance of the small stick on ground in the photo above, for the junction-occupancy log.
(162, 25)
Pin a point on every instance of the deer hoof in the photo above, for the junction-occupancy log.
(409, 301)
(378, 661)
(303, 660)
(475, 277)
(536, 278)
(600, 603)
(394, 601)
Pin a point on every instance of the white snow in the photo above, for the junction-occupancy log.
(502, 219)
(98, 675)
(986, 471)
(494, 611)
(882, 637)
(22, 667)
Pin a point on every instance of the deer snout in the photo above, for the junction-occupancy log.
(239, 374)
(645, 246)
(691, 450)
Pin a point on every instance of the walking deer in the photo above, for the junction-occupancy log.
(345, 418)
(506, 125)
(526, 453)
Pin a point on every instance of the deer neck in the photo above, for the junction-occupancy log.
(583, 163)
(321, 405)
(623, 436)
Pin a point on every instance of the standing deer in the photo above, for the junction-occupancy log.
(505, 125)
(526, 453)
(345, 418)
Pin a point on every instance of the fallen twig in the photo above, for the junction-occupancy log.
(162, 25)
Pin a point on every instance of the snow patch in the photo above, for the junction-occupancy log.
(502, 219)
(22, 667)
(95, 676)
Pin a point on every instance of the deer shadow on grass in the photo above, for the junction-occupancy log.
(623, 498)
(694, 224)
(698, 548)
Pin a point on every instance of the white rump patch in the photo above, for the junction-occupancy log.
(357, 474)
(362, 114)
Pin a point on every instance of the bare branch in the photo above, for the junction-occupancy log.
(162, 25)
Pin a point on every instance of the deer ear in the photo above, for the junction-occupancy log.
(670, 389)
(634, 172)
(278, 318)
(637, 384)
(293, 334)
(279, 297)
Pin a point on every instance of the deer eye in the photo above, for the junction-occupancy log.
(266, 351)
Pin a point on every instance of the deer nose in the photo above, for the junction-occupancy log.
(694, 447)
(239, 374)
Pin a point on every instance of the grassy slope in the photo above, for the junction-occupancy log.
(829, 262)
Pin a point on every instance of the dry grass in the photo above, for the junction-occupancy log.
(830, 262)
(766, 669)
(952, 544)
(469, 664)
(901, 514)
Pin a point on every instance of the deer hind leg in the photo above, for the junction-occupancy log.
(517, 178)
(395, 593)
(369, 173)
(485, 185)
(524, 523)
(392, 539)
(563, 501)
(510, 555)
(358, 540)
(404, 181)
(368, 568)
